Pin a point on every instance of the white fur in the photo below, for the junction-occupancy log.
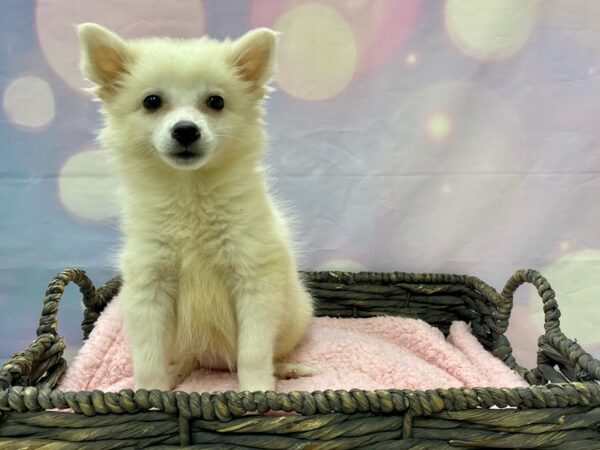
(208, 271)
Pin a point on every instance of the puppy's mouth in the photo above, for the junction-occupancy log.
(186, 154)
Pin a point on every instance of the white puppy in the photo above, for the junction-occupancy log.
(208, 272)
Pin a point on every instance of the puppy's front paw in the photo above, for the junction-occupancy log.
(161, 385)
(288, 371)
(150, 382)
(256, 382)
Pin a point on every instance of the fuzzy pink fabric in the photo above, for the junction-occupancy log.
(375, 353)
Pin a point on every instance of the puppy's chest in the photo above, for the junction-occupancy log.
(207, 247)
(204, 230)
(219, 235)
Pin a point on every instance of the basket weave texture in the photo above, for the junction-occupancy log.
(560, 410)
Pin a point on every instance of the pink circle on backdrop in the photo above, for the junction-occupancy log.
(55, 24)
(380, 27)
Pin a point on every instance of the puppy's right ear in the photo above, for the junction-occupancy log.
(254, 57)
(105, 57)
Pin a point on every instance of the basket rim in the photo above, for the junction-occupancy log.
(224, 406)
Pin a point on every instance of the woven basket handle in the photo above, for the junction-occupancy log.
(562, 350)
(551, 311)
(93, 300)
(502, 347)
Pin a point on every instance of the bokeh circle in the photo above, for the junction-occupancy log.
(343, 265)
(438, 126)
(317, 53)
(29, 103)
(450, 159)
(443, 133)
(365, 34)
(490, 30)
(87, 186)
(574, 277)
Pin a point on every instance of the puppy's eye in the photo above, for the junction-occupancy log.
(152, 102)
(215, 102)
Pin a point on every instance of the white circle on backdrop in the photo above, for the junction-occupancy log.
(87, 186)
(490, 30)
(574, 277)
(317, 53)
(29, 103)
(343, 265)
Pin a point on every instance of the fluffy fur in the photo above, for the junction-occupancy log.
(208, 272)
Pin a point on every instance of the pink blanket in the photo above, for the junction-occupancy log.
(375, 353)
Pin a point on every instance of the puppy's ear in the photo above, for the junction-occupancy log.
(105, 57)
(254, 56)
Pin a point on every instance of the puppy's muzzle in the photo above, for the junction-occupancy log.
(185, 132)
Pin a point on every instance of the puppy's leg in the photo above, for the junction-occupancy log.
(148, 316)
(257, 330)
(296, 319)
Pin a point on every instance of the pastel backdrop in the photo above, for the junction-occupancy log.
(457, 136)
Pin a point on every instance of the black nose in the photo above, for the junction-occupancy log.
(185, 132)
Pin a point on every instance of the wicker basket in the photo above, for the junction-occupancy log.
(560, 411)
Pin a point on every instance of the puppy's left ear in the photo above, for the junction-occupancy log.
(254, 56)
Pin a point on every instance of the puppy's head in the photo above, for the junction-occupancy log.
(185, 103)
